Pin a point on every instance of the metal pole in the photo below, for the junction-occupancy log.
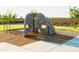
(33, 25)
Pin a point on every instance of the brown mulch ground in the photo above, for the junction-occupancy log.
(55, 38)
(16, 37)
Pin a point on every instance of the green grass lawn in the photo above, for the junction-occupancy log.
(69, 29)
(19, 26)
(12, 26)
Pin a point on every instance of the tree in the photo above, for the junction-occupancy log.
(74, 13)
(34, 13)
(7, 18)
(3, 18)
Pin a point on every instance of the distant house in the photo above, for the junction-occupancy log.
(64, 20)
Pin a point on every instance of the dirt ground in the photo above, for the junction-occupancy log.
(16, 37)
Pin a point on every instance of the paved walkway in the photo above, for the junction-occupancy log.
(73, 42)
(49, 47)
(6, 47)
(39, 46)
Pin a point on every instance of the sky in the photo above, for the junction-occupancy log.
(48, 11)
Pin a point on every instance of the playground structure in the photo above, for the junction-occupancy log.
(37, 24)
(36, 28)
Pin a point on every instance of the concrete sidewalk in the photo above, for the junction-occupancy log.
(40, 46)
(6, 47)
(64, 48)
